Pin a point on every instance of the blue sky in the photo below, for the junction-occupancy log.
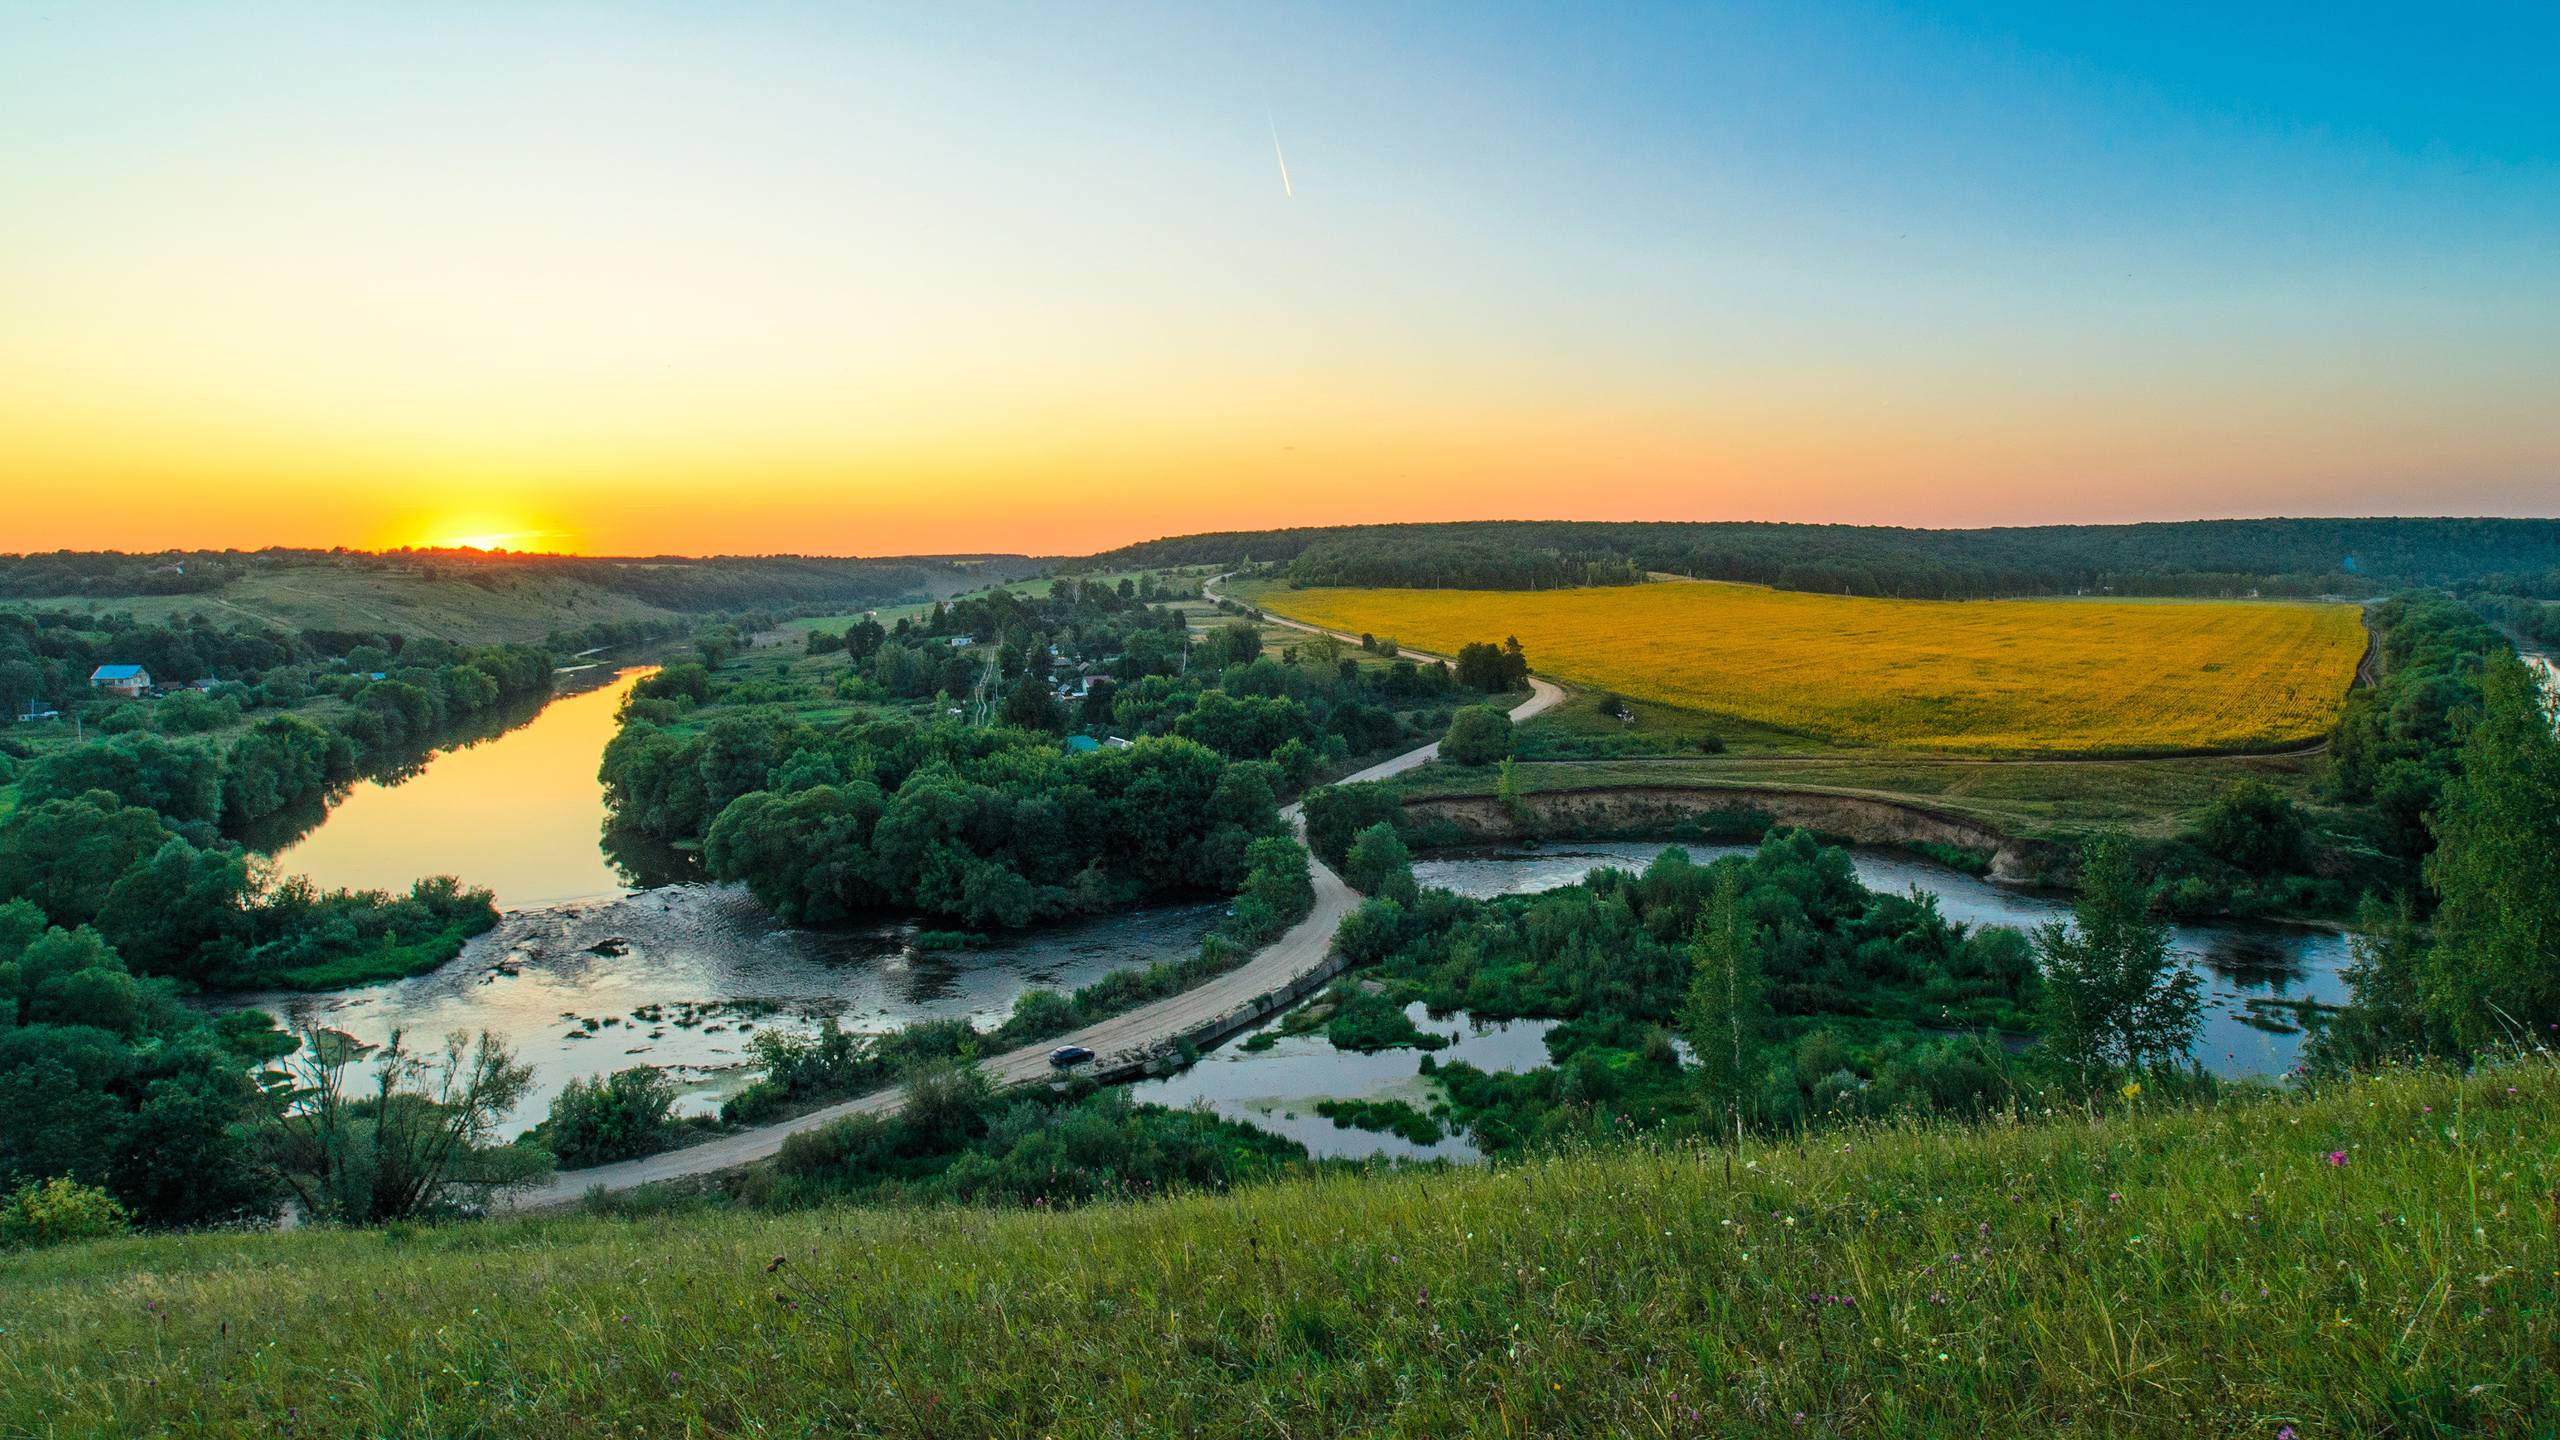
(882, 273)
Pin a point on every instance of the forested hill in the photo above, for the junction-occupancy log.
(2196, 557)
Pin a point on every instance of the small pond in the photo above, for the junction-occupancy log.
(1277, 1089)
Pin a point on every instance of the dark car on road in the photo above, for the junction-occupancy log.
(1066, 1055)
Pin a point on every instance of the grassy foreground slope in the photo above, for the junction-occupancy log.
(2376, 1258)
(1994, 677)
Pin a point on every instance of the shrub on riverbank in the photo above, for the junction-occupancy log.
(2371, 1258)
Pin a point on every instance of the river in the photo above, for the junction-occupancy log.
(518, 811)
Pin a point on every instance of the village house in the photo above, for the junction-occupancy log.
(128, 681)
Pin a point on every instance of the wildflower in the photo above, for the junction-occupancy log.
(2337, 1158)
(2285, 1433)
(2133, 1090)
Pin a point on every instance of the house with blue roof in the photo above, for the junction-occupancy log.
(128, 681)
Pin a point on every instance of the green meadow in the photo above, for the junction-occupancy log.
(2376, 1257)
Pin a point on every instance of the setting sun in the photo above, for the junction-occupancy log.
(496, 540)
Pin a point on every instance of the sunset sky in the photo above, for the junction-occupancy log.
(894, 278)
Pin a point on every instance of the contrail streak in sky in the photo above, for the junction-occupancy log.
(1283, 155)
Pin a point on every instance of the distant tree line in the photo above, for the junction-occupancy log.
(2355, 557)
(1459, 563)
(673, 582)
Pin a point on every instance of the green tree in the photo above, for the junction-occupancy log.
(182, 912)
(1478, 735)
(179, 779)
(1237, 642)
(2494, 970)
(66, 855)
(1030, 706)
(715, 644)
(1379, 864)
(2257, 827)
(1336, 814)
(1725, 1016)
(1489, 668)
(2386, 1016)
(416, 1141)
(627, 1113)
(2115, 996)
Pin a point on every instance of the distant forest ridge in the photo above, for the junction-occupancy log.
(671, 582)
(2189, 557)
(2277, 557)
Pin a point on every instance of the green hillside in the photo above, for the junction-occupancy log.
(466, 609)
(2377, 1258)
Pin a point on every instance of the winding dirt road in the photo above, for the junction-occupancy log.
(1304, 947)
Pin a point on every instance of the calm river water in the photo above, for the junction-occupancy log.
(519, 812)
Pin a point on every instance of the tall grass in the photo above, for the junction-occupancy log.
(2378, 1258)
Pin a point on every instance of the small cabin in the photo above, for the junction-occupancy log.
(125, 680)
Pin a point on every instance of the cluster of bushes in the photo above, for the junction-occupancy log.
(2255, 851)
(111, 1082)
(957, 1140)
(595, 1121)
